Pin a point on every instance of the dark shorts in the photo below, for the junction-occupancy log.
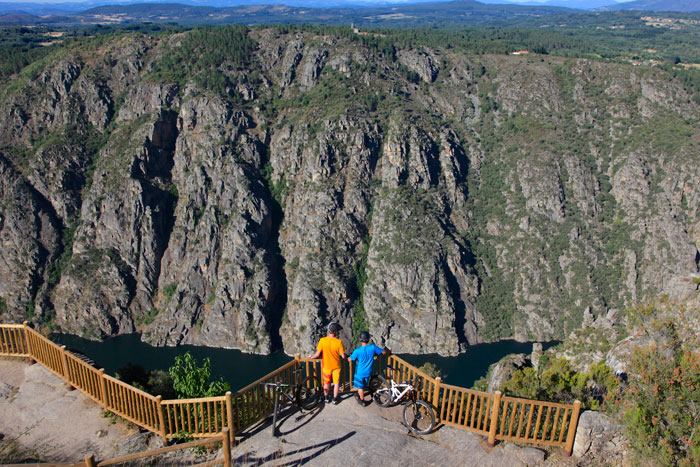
(360, 382)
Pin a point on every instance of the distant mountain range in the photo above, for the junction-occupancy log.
(657, 5)
(455, 13)
(458, 13)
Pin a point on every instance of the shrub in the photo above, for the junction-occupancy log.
(661, 405)
(191, 380)
(557, 381)
(431, 369)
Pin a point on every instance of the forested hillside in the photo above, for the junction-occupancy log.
(242, 188)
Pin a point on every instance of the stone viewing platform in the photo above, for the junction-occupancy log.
(47, 422)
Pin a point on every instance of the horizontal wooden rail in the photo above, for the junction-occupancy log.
(222, 437)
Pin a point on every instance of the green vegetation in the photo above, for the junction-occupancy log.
(209, 55)
(658, 400)
(191, 380)
(169, 290)
(557, 381)
(660, 406)
(154, 382)
(148, 318)
(412, 217)
(431, 370)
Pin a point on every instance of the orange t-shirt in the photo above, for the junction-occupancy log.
(331, 347)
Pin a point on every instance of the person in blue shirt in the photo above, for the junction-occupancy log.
(364, 357)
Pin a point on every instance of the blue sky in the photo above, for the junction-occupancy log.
(236, 2)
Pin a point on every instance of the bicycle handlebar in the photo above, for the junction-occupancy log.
(278, 385)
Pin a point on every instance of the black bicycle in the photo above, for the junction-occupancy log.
(304, 394)
(418, 415)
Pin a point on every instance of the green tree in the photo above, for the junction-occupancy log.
(191, 380)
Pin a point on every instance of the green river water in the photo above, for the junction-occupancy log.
(240, 369)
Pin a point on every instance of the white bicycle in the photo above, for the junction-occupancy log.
(418, 415)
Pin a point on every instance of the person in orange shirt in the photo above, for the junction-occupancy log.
(331, 350)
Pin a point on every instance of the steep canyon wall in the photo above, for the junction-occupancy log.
(437, 198)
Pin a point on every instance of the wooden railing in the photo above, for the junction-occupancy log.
(223, 438)
(491, 415)
(494, 416)
(12, 341)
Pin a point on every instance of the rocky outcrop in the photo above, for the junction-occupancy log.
(421, 62)
(29, 233)
(311, 179)
(504, 369)
(599, 440)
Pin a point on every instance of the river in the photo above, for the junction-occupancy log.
(240, 369)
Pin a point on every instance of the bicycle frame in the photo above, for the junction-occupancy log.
(291, 392)
(396, 393)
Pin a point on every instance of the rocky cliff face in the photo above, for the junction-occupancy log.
(248, 200)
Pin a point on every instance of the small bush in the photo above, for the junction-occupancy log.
(557, 381)
(660, 407)
(191, 380)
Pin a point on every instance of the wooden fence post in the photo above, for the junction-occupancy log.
(227, 447)
(90, 461)
(573, 424)
(25, 326)
(161, 420)
(66, 374)
(436, 398)
(494, 417)
(103, 390)
(229, 414)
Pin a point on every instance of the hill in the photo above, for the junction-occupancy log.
(657, 5)
(455, 13)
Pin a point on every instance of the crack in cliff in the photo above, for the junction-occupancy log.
(275, 307)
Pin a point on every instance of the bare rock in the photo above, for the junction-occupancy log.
(599, 439)
(422, 62)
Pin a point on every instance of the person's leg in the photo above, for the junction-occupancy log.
(326, 384)
(336, 385)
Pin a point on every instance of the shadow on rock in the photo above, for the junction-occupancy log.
(278, 457)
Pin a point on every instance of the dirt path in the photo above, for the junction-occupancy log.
(42, 420)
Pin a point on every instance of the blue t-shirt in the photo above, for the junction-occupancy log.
(365, 358)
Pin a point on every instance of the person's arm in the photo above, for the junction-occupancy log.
(317, 354)
(386, 351)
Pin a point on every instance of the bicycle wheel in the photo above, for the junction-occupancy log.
(382, 394)
(373, 385)
(419, 417)
(309, 393)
